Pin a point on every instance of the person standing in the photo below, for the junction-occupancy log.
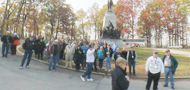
(78, 57)
(6, 39)
(15, 42)
(120, 80)
(54, 54)
(114, 47)
(101, 57)
(117, 54)
(131, 57)
(90, 61)
(108, 53)
(28, 46)
(84, 49)
(124, 54)
(69, 52)
(40, 49)
(36, 42)
(62, 55)
(153, 67)
(170, 64)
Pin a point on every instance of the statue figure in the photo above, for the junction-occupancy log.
(110, 27)
(110, 4)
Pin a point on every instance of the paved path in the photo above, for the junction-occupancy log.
(38, 77)
(174, 51)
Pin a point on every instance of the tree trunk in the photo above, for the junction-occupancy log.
(18, 15)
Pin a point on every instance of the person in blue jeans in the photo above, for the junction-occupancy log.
(108, 55)
(28, 46)
(84, 49)
(6, 39)
(170, 64)
(54, 51)
(131, 57)
(90, 61)
(101, 57)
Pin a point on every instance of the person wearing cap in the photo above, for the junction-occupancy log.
(28, 46)
(153, 67)
(131, 57)
(54, 54)
(120, 80)
(108, 54)
(14, 43)
(170, 64)
(90, 61)
(6, 39)
(101, 57)
(69, 52)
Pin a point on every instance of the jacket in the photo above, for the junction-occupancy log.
(110, 50)
(117, 55)
(52, 49)
(6, 39)
(174, 63)
(70, 50)
(101, 54)
(114, 47)
(40, 46)
(119, 82)
(78, 55)
(28, 45)
(131, 56)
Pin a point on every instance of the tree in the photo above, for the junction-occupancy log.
(126, 13)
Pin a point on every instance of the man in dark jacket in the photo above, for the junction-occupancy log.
(78, 57)
(6, 39)
(40, 49)
(120, 80)
(131, 57)
(54, 51)
(108, 55)
(28, 46)
(170, 64)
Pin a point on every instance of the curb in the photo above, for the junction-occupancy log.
(99, 73)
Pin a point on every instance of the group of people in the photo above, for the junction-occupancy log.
(154, 67)
(9, 43)
(85, 54)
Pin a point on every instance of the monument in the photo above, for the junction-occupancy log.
(110, 33)
(110, 30)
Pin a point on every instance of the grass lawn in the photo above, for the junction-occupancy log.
(143, 53)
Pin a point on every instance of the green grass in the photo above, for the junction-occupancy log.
(183, 62)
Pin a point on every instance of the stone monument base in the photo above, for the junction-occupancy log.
(119, 42)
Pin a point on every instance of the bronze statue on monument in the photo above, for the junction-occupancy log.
(110, 4)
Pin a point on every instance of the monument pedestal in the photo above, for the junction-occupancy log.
(109, 17)
(119, 42)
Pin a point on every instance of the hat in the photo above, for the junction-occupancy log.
(167, 50)
(155, 52)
